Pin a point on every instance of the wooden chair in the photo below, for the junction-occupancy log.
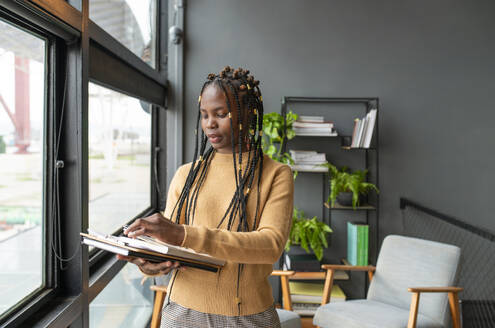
(403, 264)
(288, 319)
(161, 292)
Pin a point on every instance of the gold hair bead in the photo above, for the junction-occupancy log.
(199, 99)
(255, 111)
(200, 158)
(251, 132)
(249, 88)
(230, 115)
(261, 133)
(240, 127)
(261, 98)
(248, 190)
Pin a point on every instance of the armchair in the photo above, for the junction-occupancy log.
(404, 266)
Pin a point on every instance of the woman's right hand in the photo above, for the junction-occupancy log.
(151, 268)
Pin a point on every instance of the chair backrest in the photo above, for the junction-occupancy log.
(406, 262)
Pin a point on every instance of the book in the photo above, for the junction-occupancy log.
(357, 243)
(309, 292)
(307, 157)
(151, 250)
(317, 133)
(306, 297)
(322, 125)
(308, 167)
(371, 126)
(355, 139)
(365, 128)
(308, 118)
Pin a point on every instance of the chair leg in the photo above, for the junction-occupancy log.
(284, 281)
(454, 309)
(413, 312)
(327, 288)
(157, 309)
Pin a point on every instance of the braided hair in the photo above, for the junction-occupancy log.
(242, 90)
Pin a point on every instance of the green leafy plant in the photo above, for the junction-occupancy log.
(345, 181)
(308, 233)
(275, 131)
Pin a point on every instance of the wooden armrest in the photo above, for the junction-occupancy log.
(158, 288)
(345, 267)
(331, 268)
(435, 289)
(282, 273)
(284, 282)
(453, 303)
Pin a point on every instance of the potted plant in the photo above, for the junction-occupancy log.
(308, 233)
(346, 187)
(275, 131)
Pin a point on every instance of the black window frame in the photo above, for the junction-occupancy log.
(78, 45)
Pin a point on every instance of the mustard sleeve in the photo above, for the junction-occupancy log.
(262, 246)
(174, 190)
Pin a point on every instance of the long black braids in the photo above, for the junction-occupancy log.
(240, 88)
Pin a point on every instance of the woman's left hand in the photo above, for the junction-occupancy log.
(158, 227)
(150, 268)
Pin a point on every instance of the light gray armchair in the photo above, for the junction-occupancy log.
(406, 268)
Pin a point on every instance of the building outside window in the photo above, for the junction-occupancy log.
(22, 157)
(119, 158)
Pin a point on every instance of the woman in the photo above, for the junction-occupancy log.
(234, 203)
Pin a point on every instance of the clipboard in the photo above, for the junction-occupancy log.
(214, 265)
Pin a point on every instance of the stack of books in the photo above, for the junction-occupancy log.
(308, 160)
(313, 126)
(306, 296)
(357, 243)
(363, 130)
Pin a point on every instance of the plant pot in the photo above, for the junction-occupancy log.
(345, 199)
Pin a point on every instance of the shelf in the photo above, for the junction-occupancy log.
(302, 275)
(354, 148)
(365, 207)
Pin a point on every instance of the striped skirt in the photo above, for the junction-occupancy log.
(176, 316)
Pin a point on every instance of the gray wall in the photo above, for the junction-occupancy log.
(431, 63)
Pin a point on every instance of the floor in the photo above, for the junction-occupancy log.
(307, 322)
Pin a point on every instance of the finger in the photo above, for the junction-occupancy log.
(138, 232)
(124, 258)
(156, 266)
(137, 224)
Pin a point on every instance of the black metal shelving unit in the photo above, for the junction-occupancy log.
(372, 210)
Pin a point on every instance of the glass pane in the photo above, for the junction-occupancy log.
(22, 99)
(124, 302)
(131, 22)
(119, 158)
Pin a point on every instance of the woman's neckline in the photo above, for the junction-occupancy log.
(227, 158)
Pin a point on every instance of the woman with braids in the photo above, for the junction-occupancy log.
(232, 202)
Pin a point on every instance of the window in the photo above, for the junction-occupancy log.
(119, 158)
(22, 108)
(131, 22)
(124, 302)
